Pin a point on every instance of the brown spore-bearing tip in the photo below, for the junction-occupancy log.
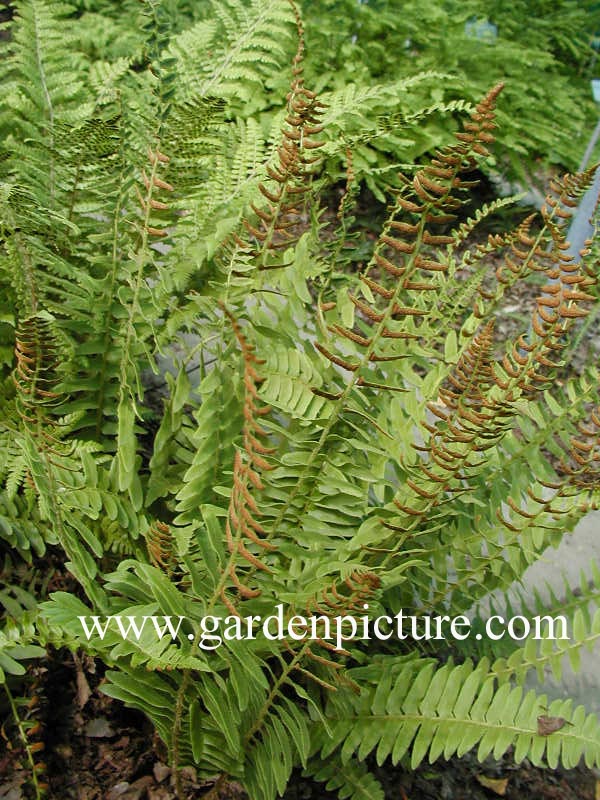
(478, 133)
(488, 103)
(582, 465)
(468, 384)
(280, 217)
(160, 546)
(495, 91)
(360, 585)
(242, 521)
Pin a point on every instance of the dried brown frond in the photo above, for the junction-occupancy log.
(161, 547)
(243, 523)
(36, 379)
(147, 200)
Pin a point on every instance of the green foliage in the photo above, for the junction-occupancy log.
(378, 44)
(451, 710)
(325, 438)
(410, 72)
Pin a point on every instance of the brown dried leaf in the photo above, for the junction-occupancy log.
(161, 771)
(160, 793)
(548, 725)
(496, 785)
(99, 728)
(83, 688)
(118, 790)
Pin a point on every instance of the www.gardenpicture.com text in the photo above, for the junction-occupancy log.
(209, 632)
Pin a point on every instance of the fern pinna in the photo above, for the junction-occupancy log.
(320, 442)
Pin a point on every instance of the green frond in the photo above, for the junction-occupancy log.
(150, 692)
(236, 48)
(352, 780)
(435, 713)
(212, 444)
(562, 626)
(290, 381)
(12, 653)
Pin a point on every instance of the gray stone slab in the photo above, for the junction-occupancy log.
(573, 557)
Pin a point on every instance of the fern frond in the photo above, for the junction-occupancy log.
(242, 521)
(529, 366)
(234, 50)
(451, 710)
(352, 780)
(279, 220)
(468, 422)
(159, 542)
(396, 314)
(36, 380)
(219, 422)
(562, 625)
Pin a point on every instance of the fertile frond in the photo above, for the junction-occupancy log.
(242, 521)
(36, 377)
(400, 283)
(160, 545)
(280, 216)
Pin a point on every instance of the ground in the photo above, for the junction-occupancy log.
(95, 749)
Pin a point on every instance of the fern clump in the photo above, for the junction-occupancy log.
(330, 444)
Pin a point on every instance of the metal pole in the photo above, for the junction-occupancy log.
(581, 227)
(590, 148)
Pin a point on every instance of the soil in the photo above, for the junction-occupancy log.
(466, 779)
(96, 749)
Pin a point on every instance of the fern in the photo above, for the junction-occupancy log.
(352, 780)
(330, 439)
(247, 44)
(454, 709)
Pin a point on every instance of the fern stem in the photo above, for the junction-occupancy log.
(214, 793)
(505, 669)
(47, 96)
(179, 700)
(341, 402)
(338, 407)
(31, 302)
(24, 741)
(176, 732)
(74, 189)
(281, 680)
(108, 318)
